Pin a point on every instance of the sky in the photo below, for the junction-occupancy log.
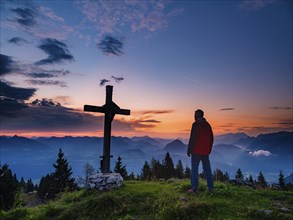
(164, 59)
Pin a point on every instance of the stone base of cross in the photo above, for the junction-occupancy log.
(110, 109)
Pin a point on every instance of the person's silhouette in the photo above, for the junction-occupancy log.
(199, 148)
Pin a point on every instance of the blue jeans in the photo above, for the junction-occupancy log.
(195, 159)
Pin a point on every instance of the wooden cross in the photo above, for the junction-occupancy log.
(110, 109)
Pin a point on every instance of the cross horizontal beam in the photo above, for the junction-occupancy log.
(103, 109)
(92, 108)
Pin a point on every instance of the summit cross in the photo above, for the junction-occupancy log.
(110, 109)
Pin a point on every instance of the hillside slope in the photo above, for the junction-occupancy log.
(164, 200)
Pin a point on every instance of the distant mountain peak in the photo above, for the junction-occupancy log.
(176, 146)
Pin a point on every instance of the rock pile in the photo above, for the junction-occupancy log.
(105, 181)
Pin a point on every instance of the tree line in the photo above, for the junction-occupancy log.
(61, 179)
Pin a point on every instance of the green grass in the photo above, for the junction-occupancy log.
(163, 200)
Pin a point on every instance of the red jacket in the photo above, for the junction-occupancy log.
(201, 138)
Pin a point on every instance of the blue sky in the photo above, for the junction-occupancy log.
(233, 59)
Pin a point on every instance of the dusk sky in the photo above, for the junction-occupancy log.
(165, 59)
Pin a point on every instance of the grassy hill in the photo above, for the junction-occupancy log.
(163, 200)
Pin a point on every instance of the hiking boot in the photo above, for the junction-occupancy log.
(193, 191)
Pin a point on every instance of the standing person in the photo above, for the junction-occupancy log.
(199, 147)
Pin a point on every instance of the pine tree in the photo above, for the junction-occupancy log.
(146, 173)
(261, 180)
(46, 189)
(22, 184)
(169, 167)
(282, 180)
(62, 174)
(119, 168)
(250, 179)
(187, 172)
(179, 170)
(226, 176)
(218, 175)
(239, 174)
(157, 169)
(8, 187)
(29, 186)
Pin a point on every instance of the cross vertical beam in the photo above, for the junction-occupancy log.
(109, 115)
(110, 109)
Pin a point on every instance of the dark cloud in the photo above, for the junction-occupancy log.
(47, 115)
(36, 72)
(10, 107)
(45, 102)
(17, 40)
(156, 112)
(12, 99)
(227, 109)
(111, 45)
(150, 121)
(58, 52)
(6, 64)
(25, 16)
(41, 75)
(103, 82)
(47, 82)
(281, 108)
(117, 79)
(286, 122)
(16, 93)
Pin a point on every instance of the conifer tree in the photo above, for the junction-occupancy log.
(46, 189)
(119, 168)
(146, 173)
(157, 169)
(282, 180)
(179, 170)
(169, 169)
(62, 174)
(226, 176)
(250, 179)
(187, 172)
(261, 180)
(22, 184)
(29, 186)
(239, 174)
(218, 175)
(8, 187)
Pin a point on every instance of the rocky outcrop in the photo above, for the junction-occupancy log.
(105, 181)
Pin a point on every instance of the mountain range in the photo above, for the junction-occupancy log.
(33, 157)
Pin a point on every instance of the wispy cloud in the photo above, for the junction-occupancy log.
(111, 45)
(227, 109)
(7, 64)
(18, 41)
(155, 112)
(136, 15)
(281, 108)
(117, 79)
(46, 82)
(38, 72)
(254, 5)
(58, 52)
(259, 153)
(37, 20)
(150, 121)
(25, 16)
(103, 82)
